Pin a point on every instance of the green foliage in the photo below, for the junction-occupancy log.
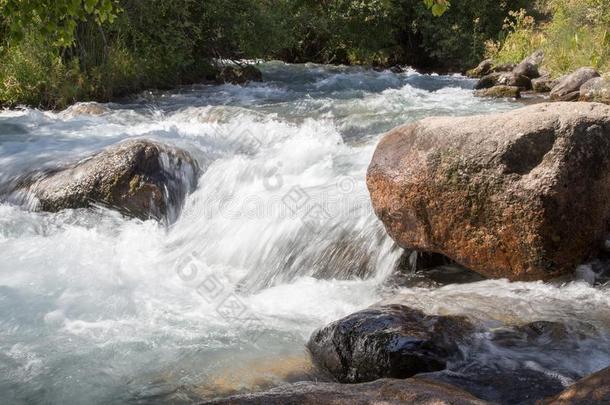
(54, 19)
(523, 39)
(100, 49)
(577, 35)
(438, 7)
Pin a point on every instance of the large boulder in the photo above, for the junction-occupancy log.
(592, 390)
(596, 90)
(387, 341)
(523, 195)
(499, 91)
(568, 87)
(139, 178)
(414, 391)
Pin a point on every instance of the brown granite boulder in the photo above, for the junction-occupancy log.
(591, 390)
(568, 87)
(523, 195)
(413, 391)
(392, 341)
(140, 178)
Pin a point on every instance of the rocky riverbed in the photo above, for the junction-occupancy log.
(317, 237)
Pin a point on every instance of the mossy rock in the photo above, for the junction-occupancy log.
(499, 92)
(138, 178)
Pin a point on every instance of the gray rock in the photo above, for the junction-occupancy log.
(506, 67)
(387, 341)
(487, 81)
(596, 90)
(535, 58)
(139, 178)
(481, 70)
(414, 391)
(515, 80)
(568, 87)
(523, 195)
(543, 84)
(499, 91)
(527, 69)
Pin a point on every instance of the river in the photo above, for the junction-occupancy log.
(277, 240)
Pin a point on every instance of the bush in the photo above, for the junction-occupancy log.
(577, 35)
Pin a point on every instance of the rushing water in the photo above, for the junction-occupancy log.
(278, 239)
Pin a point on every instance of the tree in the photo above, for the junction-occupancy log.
(438, 7)
(54, 19)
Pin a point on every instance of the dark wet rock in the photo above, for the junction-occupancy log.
(488, 81)
(592, 390)
(427, 270)
(596, 90)
(543, 84)
(568, 87)
(139, 178)
(515, 80)
(397, 69)
(523, 195)
(415, 391)
(531, 334)
(499, 91)
(239, 75)
(387, 341)
(507, 386)
(484, 68)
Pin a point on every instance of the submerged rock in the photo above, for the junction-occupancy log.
(139, 178)
(592, 390)
(523, 195)
(88, 108)
(499, 91)
(239, 75)
(388, 341)
(568, 87)
(507, 386)
(415, 391)
(596, 90)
